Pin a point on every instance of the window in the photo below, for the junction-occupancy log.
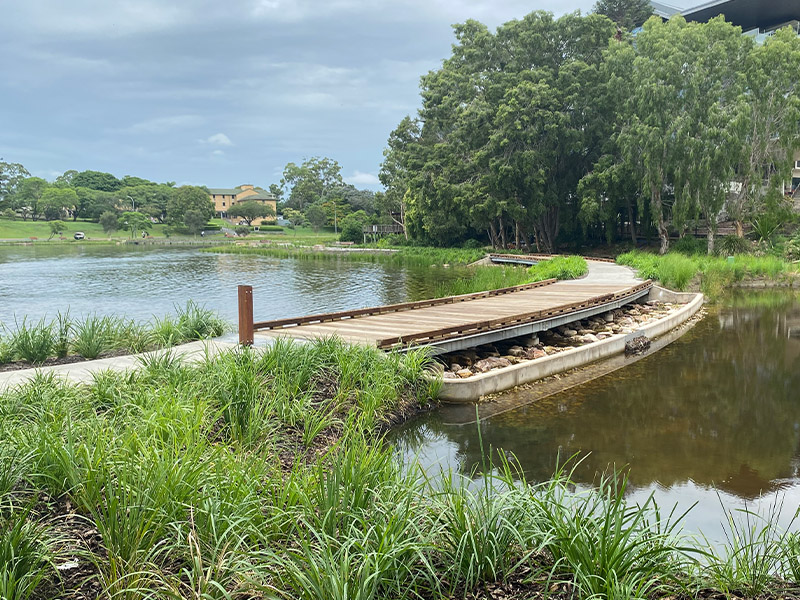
(214, 196)
(797, 164)
(223, 204)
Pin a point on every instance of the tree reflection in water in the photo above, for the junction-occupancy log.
(719, 409)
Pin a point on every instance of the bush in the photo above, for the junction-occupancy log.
(242, 230)
(353, 226)
(473, 244)
(270, 228)
(559, 267)
(731, 245)
(689, 244)
(34, 344)
(9, 214)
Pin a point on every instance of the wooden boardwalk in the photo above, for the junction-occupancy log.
(455, 322)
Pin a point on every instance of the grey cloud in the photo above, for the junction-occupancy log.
(131, 86)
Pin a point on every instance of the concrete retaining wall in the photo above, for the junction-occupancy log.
(472, 388)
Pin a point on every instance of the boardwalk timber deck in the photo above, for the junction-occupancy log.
(457, 322)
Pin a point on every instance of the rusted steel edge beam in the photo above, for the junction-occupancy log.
(392, 308)
(480, 326)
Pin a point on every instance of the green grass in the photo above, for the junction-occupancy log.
(25, 230)
(405, 255)
(264, 474)
(94, 335)
(559, 267)
(715, 274)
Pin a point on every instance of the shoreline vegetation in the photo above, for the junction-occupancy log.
(712, 275)
(66, 339)
(266, 475)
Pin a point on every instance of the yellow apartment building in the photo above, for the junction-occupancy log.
(225, 198)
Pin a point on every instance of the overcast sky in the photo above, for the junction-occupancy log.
(221, 93)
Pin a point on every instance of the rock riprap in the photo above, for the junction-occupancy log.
(485, 358)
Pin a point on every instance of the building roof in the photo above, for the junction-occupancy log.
(665, 11)
(747, 14)
(260, 196)
(223, 191)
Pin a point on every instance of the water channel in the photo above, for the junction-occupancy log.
(712, 419)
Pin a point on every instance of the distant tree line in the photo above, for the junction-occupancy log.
(312, 193)
(130, 203)
(571, 131)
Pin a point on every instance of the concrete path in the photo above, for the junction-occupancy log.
(83, 372)
(607, 273)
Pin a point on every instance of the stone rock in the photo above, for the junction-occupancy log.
(534, 353)
(455, 367)
(487, 364)
(449, 375)
(585, 332)
(590, 338)
(516, 351)
(604, 335)
(568, 333)
(461, 359)
(464, 373)
(637, 345)
(550, 350)
(528, 340)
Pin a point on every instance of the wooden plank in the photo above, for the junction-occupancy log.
(375, 310)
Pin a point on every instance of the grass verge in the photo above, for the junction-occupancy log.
(95, 335)
(677, 271)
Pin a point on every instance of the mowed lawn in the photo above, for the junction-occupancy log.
(18, 229)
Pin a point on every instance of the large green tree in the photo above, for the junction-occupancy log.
(187, 198)
(28, 199)
(96, 180)
(770, 126)
(134, 222)
(250, 211)
(56, 202)
(625, 13)
(310, 181)
(11, 175)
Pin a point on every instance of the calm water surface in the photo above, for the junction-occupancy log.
(714, 418)
(37, 281)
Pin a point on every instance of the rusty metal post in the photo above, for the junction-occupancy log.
(246, 315)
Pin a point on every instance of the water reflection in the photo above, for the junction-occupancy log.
(716, 411)
(138, 282)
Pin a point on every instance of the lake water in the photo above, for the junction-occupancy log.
(712, 419)
(139, 282)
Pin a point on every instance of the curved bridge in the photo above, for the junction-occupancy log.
(457, 322)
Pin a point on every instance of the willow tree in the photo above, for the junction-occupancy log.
(770, 127)
(708, 127)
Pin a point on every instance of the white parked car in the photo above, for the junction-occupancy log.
(79, 235)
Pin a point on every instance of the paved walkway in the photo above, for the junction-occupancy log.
(83, 372)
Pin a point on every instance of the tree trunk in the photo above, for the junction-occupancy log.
(631, 221)
(502, 233)
(516, 235)
(739, 228)
(710, 239)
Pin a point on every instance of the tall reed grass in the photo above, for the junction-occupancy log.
(95, 335)
(714, 274)
(404, 255)
(264, 474)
